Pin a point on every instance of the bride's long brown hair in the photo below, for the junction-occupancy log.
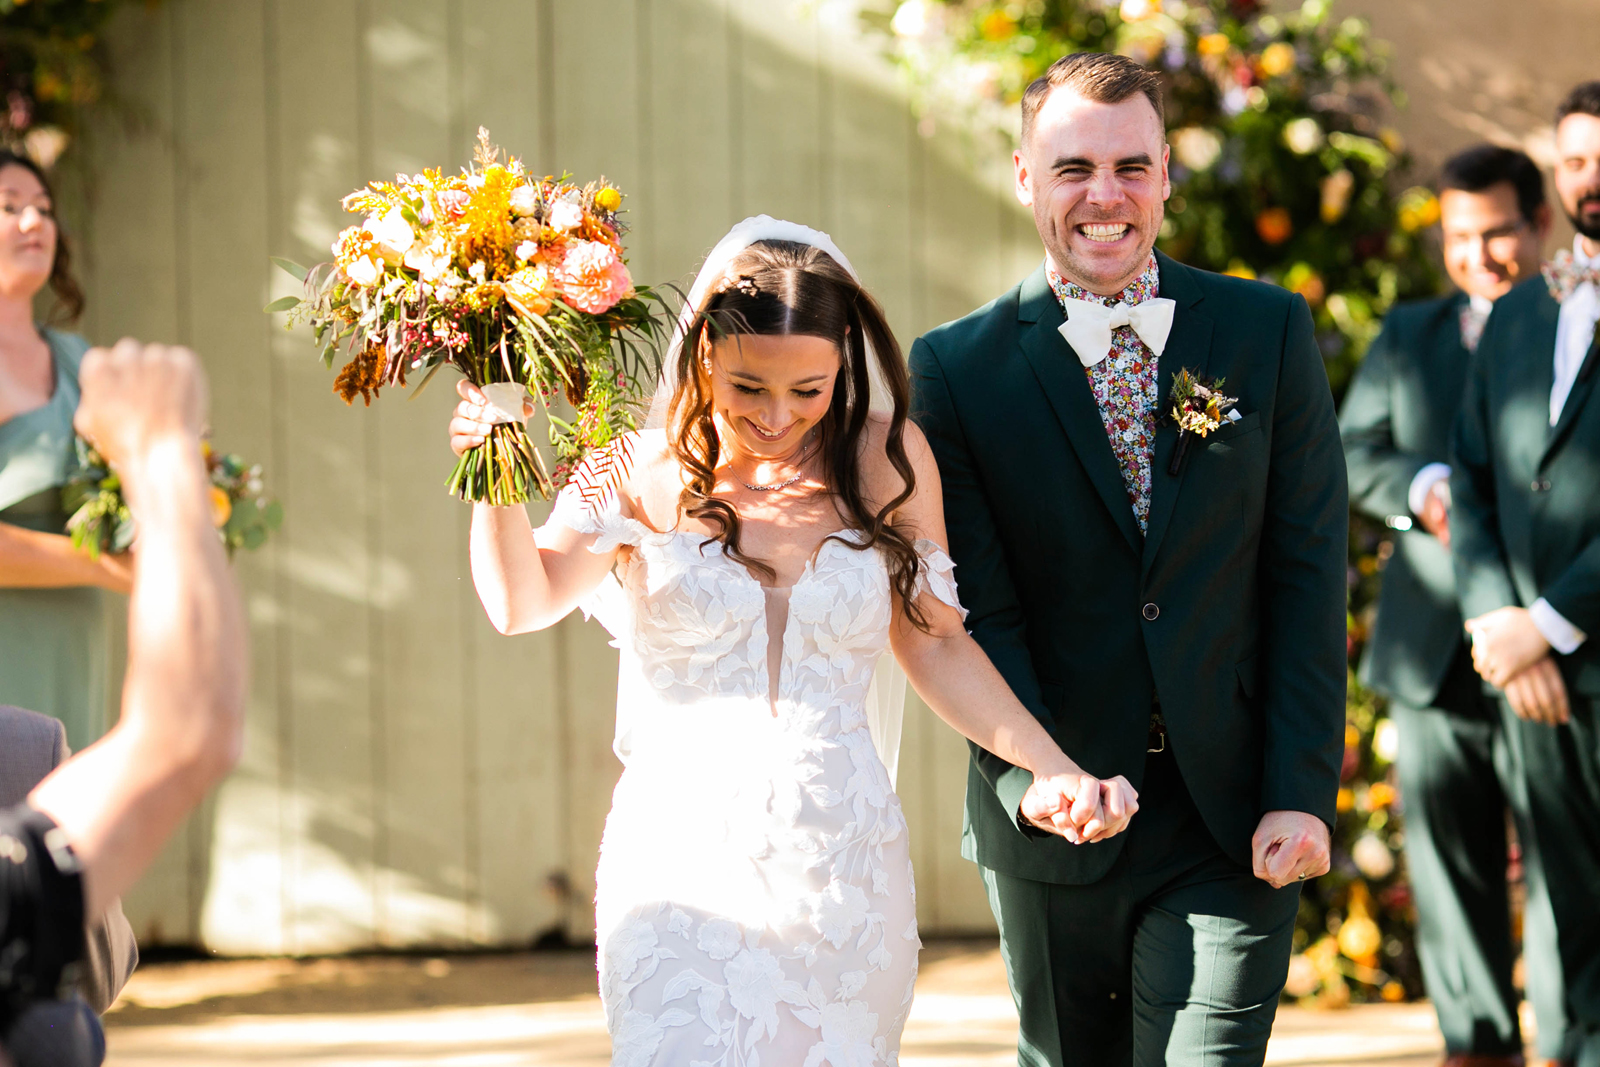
(785, 288)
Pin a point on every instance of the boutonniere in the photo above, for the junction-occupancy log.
(1199, 407)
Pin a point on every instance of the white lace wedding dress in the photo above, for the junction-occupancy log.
(754, 896)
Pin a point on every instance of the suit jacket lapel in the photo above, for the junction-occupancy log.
(1066, 386)
(1189, 345)
(1581, 387)
(1525, 342)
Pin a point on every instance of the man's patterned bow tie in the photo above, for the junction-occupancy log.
(1563, 274)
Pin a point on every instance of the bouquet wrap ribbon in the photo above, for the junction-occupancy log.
(505, 402)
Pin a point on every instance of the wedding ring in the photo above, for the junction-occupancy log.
(1303, 875)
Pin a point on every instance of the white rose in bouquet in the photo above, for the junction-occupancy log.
(391, 235)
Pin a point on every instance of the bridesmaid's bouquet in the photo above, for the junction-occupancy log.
(517, 282)
(101, 522)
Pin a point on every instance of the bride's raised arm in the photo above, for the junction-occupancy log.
(952, 674)
(526, 579)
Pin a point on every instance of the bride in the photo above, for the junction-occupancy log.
(756, 553)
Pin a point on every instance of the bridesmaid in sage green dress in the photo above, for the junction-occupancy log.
(54, 615)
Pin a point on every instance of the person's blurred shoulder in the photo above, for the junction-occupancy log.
(31, 746)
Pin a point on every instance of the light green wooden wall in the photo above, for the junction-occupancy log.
(410, 776)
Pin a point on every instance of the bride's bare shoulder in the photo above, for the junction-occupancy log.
(649, 476)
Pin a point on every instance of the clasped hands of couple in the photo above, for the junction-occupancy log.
(1288, 846)
(1508, 650)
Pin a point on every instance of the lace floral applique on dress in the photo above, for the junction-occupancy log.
(755, 901)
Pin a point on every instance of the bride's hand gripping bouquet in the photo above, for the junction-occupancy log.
(519, 283)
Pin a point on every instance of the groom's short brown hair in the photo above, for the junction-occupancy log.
(1103, 77)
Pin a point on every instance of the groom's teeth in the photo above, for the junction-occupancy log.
(1103, 231)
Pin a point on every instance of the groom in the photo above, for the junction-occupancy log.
(1172, 608)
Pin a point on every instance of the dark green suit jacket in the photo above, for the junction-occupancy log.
(1525, 521)
(1396, 420)
(1243, 568)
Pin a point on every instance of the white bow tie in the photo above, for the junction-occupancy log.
(1089, 325)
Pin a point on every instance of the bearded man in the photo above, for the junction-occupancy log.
(1145, 498)
(1458, 774)
(1525, 533)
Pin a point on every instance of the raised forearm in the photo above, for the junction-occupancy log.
(531, 579)
(181, 725)
(506, 569)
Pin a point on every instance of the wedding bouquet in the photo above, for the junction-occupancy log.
(519, 283)
(101, 522)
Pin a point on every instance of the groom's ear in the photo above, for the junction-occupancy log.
(1024, 187)
(1166, 173)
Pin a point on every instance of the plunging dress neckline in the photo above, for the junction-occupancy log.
(775, 679)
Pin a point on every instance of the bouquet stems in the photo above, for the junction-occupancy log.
(503, 471)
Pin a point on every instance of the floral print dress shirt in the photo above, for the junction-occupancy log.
(1125, 387)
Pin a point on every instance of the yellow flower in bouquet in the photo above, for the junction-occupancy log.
(513, 280)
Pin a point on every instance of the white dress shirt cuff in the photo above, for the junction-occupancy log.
(1423, 484)
(1562, 635)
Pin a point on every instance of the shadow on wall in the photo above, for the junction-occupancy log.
(411, 777)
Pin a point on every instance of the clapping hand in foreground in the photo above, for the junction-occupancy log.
(1080, 807)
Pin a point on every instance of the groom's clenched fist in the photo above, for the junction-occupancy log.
(1289, 847)
(1080, 807)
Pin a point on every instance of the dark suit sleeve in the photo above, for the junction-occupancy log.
(1380, 474)
(995, 617)
(1304, 543)
(1483, 578)
(1575, 593)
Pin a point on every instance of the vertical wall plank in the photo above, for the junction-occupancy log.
(691, 179)
(422, 881)
(331, 807)
(236, 868)
(777, 97)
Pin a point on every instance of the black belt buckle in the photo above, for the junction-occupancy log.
(1158, 733)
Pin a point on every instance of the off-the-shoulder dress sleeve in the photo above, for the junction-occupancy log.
(936, 574)
(597, 510)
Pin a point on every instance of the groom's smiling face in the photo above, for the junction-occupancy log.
(1095, 175)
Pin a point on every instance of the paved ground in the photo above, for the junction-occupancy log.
(540, 1010)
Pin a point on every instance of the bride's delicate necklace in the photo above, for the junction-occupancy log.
(799, 473)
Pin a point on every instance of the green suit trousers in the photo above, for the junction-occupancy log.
(1561, 767)
(1458, 777)
(1176, 956)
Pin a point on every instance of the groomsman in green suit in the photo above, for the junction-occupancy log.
(1525, 532)
(1170, 604)
(1457, 776)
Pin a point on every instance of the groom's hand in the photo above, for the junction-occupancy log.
(1289, 847)
(1080, 807)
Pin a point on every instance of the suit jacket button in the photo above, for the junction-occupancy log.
(1151, 612)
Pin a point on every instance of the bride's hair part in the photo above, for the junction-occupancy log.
(786, 288)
